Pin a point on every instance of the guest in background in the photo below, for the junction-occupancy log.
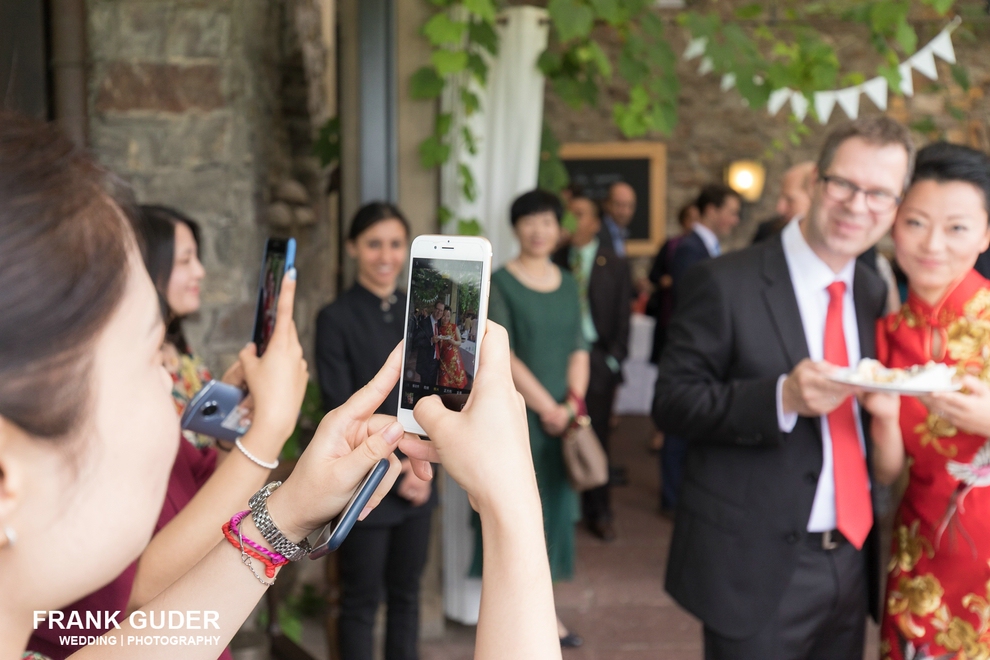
(774, 546)
(385, 553)
(619, 207)
(793, 202)
(539, 306)
(426, 341)
(452, 373)
(604, 288)
(719, 207)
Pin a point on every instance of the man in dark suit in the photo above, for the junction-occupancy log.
(605, 288)
(619, 208)
(426, 344)
(774, 547)
(792, 203)
(719, 206)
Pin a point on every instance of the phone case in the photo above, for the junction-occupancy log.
(334, 534)
(272, 244)
(215, 412)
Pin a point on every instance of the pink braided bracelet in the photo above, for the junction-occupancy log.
(235, 524)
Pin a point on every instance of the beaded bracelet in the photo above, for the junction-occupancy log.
(248, 548)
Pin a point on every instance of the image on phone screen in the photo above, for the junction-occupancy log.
(278, 254)
(441, 343)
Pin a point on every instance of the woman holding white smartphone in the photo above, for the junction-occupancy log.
(87, 433)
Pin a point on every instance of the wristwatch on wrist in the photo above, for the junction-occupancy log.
(263, 521)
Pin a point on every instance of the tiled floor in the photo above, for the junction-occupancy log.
(617, 602)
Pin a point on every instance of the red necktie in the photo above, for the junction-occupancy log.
(853, 509)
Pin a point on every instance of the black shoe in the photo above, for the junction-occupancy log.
(570, 641)
(603, 529)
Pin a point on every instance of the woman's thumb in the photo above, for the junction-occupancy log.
(430, 413)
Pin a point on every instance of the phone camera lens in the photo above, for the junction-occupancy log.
(210, 409)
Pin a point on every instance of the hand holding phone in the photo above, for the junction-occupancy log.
(278, 259)
(337, 530)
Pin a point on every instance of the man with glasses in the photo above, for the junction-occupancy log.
(774, 547)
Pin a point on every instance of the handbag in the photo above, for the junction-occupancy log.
(584, 457)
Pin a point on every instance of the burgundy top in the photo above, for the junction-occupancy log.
(190, 471)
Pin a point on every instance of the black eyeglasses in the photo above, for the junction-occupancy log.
(843, 190)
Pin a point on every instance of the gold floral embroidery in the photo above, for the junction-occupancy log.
(906, 316)
(910, 547)
(969, 337)
(955, 634)
(884, 649)
(917, 596)
(935, 429)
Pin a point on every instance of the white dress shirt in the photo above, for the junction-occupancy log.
(810, 277)
(709, 238)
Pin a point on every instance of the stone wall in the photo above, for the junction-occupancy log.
(716, 128)
(205, 105)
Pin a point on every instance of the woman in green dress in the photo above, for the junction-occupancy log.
(538, 304)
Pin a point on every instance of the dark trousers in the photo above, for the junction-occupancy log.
(377, 562)
(822, 615)
(673, 455)
(427, 369)
(596, 503)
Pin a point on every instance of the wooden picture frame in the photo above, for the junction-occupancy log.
(596, 165)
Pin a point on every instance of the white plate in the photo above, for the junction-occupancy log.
(847, 376)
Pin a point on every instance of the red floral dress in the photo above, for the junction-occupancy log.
(938, 587)
(452, 373)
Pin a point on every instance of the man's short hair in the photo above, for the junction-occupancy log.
(715, 194)
(877, 130)
(578, 193)
(682, 215)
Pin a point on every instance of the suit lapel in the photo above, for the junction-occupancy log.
(778, 295)
(866, 306)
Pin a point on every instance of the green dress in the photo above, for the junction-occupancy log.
(544, 329)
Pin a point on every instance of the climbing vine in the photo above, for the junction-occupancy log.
(760, 47)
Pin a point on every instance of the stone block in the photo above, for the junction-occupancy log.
(198, 33)
(292, 192)
(140, 144)
(279, 214)
(128, 86)
(103, 31)
(141, 26)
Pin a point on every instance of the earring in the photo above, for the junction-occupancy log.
(10, 537)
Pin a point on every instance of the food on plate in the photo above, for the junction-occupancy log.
(923, 377)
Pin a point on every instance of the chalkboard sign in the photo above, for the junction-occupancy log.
(643, 165)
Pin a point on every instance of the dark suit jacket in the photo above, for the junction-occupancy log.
(426, 351)
(748, 487)
(690, 251)
(609, 292)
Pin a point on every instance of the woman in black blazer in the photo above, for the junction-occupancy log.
(384, 555)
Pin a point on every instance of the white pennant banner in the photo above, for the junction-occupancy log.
(907, 79)
(942, 46)
(924, 63)
(848, 99)
(799, 106)
(778, 98)
(696, 48)
(824, 102)
(876, 90)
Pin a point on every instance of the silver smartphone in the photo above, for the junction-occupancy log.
(216, 411)
(446, 313)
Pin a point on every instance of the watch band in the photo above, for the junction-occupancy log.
(271, 533)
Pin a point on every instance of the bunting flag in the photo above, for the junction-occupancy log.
(876, 89)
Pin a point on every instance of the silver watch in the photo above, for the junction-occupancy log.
(263, 521)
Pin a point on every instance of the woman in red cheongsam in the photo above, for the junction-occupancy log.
(938, 586)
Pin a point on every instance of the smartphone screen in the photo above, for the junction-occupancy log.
(279, 257)
(441, 336)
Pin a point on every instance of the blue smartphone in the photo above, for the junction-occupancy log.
(279, 257)
(215, 411)
(334, 533)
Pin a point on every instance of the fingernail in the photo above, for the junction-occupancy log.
(429, 470)
(365, 512)
(291, 274)
(392, 433)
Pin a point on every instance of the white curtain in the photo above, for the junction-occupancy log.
(506, 163)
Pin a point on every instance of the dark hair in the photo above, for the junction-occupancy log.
(64, 246)
(878, 130)
(944, 162)
(372, 213)
(682, 215)
(579, 194)
(535, 201)
(155, 226)
(715, 194)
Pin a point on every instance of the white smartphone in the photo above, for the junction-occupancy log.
(446, 311)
